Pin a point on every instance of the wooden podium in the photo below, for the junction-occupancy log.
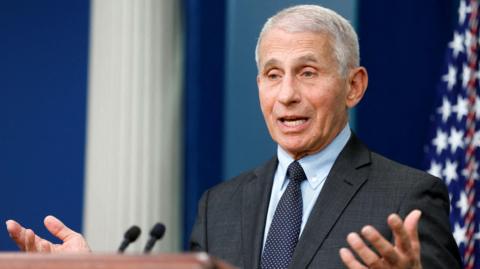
(109, 261)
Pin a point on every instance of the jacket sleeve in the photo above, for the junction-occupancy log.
(198, 238)
(438, 248)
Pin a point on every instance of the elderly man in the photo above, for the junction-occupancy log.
(303, 208)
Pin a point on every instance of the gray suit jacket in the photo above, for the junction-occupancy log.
(362, 188)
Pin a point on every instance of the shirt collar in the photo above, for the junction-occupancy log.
(318, 165)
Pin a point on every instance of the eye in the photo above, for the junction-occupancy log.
(308, 73)
(273, 74)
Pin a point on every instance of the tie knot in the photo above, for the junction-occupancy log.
(295, 172)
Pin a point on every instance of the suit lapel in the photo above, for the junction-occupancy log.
(348, 174)
(255, 200)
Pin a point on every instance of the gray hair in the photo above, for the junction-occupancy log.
(317, 19)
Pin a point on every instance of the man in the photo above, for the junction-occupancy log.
(303, 208)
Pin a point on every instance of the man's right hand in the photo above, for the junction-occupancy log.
(27, 240)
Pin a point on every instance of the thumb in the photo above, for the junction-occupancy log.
(58, 229)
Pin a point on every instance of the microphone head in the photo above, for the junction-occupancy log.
(157, 231)
(132, 233)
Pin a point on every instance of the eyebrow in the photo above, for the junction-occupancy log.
(305, 58)
(271, 62)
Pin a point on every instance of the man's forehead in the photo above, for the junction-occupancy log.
(276, 36)
(301, 47)
(275, 41)
(278, 39)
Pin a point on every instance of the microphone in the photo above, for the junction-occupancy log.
(156, 233)
(130, 236)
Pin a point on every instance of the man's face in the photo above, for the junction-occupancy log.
(302, 93)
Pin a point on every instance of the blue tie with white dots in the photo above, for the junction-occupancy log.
(285, 228)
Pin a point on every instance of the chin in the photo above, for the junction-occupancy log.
(293, 149)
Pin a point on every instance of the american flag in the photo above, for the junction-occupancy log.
(452, 152)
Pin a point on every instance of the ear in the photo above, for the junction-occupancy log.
(357, 85)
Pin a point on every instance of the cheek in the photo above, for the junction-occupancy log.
(266, 102)
(326, 108)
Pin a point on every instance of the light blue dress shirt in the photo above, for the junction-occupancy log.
(316, 167)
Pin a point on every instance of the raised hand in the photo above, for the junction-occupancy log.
(27, 240)
(404, 254)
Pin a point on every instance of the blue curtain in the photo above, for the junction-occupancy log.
(402, 45)
(203, 110)
(43, 95)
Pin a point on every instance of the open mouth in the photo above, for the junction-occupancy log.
(293, 121)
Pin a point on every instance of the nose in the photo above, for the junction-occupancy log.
(289, 93)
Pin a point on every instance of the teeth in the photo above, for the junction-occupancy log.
(293, 123)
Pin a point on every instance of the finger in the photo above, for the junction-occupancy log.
(13, 228)
(30, 241)
(26, 241)
(363, 251)
(382, 245)
(402, 241)
(58, 229)
(411, 226)
(349, 260)
(17, 233)
(45, 246)
(41, 243)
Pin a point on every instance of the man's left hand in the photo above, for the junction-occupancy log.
(404, 254)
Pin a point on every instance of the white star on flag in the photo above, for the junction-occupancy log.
(445, 110)
(440, 141)
(435, 169)
(450, 77)
(468, 41)
(462, 203)
(461, 108)
(456, 44)
(462, 12)
(455, 139)
(459, 234)
(466, 74)
(450, 171)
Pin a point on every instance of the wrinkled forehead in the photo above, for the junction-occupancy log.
(304, 45)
